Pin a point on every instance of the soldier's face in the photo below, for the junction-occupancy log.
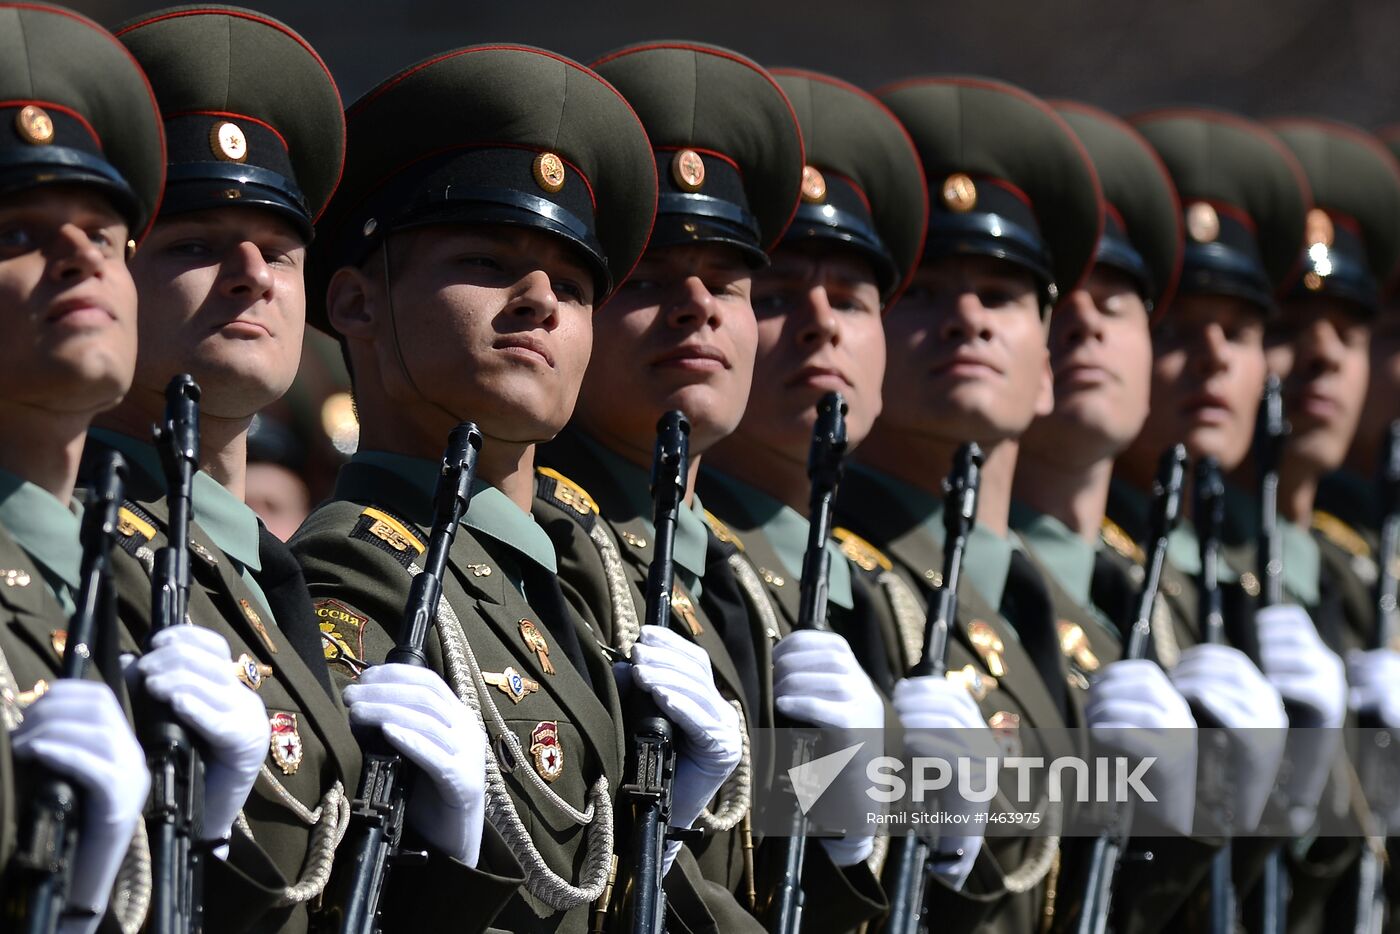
(819, 330)
(679, 334)
(488, 323)
(1383, 388)
(68, 302)
(1207, 377)
(967, 353)
(223, 299)
(1101, 353)
(1320, 348)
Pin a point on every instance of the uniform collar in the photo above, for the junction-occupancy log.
(44, 527)
(1065, 555)
(692, 534)
(491, 513)
(787, 530)
(987, 559)
(226, 519)
(1302, 562)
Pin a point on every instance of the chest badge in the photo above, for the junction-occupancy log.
(286, 742)
(251, 672)
(976, 683)
(259, 627)
(1074, 643)
(988, 645)
(684, 607)
(1006, 731)
(545, 747)
(511, 683)
(535, 642)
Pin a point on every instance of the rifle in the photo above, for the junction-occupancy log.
(373, 841)
(1370, 901)
(42, 865)
(1209, 509)
(653, 752)
(1271, 902)
(824, 458)
(174, 814)
(908, 865)
(1108, 848)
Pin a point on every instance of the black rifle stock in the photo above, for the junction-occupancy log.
(653, 752)
(824, 459)
(174, 816)
(908, 867)
(1271, 898)
(1370, 893)
(373, 841)
(1108, 848)
(41, 868)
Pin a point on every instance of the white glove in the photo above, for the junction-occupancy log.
(77, 730)
(817, 681)
(190, 670)
(941, 721)
(1375, 684)
(1226, 685)
(427, 724)
(1311, 678)
(1134, 710)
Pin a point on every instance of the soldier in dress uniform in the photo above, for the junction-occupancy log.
(81, 167)
(680, 334)
(464, 262)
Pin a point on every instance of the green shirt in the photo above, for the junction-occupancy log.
(987, 558)
(1064, 554)
(692, 534)
(491, 513)
(226, 519)
(48, 532)
(787, 530)
(1183, 545)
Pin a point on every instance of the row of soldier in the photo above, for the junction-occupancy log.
(561, 255)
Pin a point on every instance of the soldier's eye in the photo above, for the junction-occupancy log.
(16, 239)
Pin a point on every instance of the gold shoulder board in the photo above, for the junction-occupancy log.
(860, 552)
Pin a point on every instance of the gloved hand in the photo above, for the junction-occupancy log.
(817, 681)
(1134, 711)
(190, 670)
(1234, 696)
(1375, 684)
(430, 726)
(941, 721)
(1311, 678)
(77, 730)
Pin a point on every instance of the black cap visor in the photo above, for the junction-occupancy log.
(38, 167)
(826, 222)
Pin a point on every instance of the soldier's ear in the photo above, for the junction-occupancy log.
(352, 303)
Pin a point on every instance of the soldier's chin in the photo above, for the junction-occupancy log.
(1228, 447)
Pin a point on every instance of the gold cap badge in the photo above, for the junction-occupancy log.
(228, 142)
(813, 185)
(549, 172)
(1202, 223)
(1320, 228)
(959, 193)
(35, 126)
(688, 170)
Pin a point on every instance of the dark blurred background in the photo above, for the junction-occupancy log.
(1263, 57)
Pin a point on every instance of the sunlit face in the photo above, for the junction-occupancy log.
(1207, 378)
(679, 334)
(967, 353)
(1101, 354)
(68, 302)
(819, 331)
(491, 324)
(1320, 347)
(223, 299)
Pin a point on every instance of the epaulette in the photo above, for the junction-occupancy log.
(1340, 534)
(566, 495)
(135, 527)
(860, 552)
(389, 534)
(721, 531)
(1115, 537)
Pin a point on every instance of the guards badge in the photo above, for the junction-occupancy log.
(545, 747)
(285, 742)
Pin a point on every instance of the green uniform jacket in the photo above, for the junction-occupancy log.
(355, 551)
(1012, 887)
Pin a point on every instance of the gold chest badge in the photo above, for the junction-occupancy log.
(547, 750)
(988, 645)
(511, 683)
(256, 622)
(1074, 643)
(683, 607)
(285, 742)
(535, 642)
(1006, 731)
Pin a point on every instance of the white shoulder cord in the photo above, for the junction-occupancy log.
(909, 616)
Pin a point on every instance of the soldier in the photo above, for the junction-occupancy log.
(81, 150)
(681, 335)
(464, 262)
